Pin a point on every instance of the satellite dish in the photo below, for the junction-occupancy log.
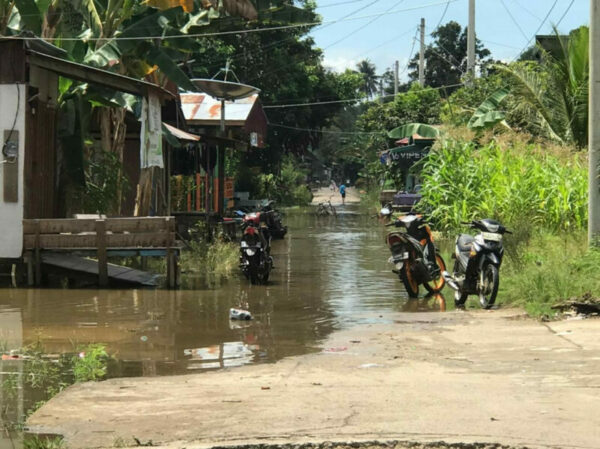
(225, 90)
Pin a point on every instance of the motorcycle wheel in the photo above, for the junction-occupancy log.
(488, 288)
(410, 283)
(436, 285)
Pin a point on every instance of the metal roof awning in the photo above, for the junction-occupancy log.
(89, 74)
(180, 134)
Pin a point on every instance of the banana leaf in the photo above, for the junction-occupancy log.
(414, 128)
(487, 114)
(170, 69)
(30, 15)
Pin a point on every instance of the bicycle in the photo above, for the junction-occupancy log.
(326, 209)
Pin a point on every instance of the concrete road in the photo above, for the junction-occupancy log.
(491, 377)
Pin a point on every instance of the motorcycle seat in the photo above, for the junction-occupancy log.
(464, 242)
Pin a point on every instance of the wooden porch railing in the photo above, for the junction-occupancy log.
(101, 236)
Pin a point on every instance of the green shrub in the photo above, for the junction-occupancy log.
(90, 363)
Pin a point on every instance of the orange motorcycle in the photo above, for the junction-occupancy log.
(415, 258)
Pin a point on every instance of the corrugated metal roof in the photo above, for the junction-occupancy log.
(204, 109)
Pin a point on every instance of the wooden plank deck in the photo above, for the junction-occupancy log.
(118, 273)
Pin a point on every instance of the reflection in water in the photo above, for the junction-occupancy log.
(329, 273)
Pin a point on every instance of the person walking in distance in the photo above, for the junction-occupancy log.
(343, 193)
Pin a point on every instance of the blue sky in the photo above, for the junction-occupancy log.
(390, 36)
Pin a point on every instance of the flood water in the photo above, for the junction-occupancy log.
(330, 273)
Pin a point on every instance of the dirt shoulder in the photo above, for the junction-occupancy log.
(324, 194)
(459, 377)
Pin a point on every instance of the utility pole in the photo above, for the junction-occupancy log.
(593, 128)
(396, 78)
(471, 41)
(422, 55)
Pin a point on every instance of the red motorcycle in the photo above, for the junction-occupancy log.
(255, 249)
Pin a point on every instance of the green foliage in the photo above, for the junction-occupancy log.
(91, 363)
(418, 105)
(487, 114)
(287, 189)
(551, 269)
(447, 56)
(410, 129)
(514, 184)
(563, 114)
(369, 77)
(42, 442)
(215, 260)
(103, 176)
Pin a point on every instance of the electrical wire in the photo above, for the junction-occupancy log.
(538, 30)
(343, 38)
(277, 125)
(243, 31)
(565, 13)
(442, 18)
(514, 21)
(318, 103)
(339, 4)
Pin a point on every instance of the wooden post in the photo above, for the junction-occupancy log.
(38, 256)
(170, 258)
(198, 193)
(30, 276)
(102, 257)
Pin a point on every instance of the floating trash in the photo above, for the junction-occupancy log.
(239, 314)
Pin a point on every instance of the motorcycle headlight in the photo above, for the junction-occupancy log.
(244, 244)
(251, 251)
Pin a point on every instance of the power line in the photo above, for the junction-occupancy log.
(362, 26)
(279, 106)
(565, 13)
(277, 125)
(514, 21)
(339, 4)
(538, 30)
(528, 11)
(243, 31)
(443, 16)
(318, 28)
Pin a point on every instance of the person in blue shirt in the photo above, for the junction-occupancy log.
(343, 193)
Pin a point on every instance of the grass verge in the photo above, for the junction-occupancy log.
(548, 270)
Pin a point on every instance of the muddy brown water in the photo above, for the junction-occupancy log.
(330, 273)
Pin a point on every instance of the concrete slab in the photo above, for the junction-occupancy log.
(460, 377)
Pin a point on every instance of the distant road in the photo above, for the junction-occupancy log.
(325, 193)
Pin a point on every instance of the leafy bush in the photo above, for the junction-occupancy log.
(289, 188)
(90, 364)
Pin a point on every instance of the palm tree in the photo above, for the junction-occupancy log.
(367, 69)
(557, 90)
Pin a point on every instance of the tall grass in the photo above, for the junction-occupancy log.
(518, 185)
(551, 269)
(214, 260)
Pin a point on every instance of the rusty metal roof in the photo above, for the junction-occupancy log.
(203, 109)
